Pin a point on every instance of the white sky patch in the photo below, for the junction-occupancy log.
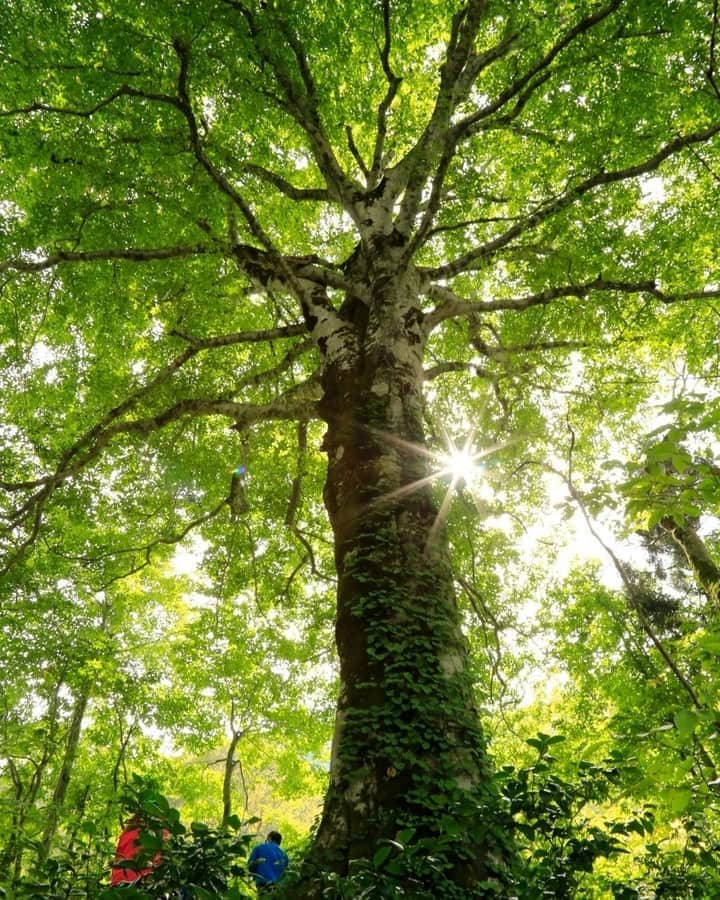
(188, 556)
(301, 160)
(42, 355)
(261, 547)
(292, 633)
(196, 599)
(435, 52)
(157, 329)
(478, 98)
(10, 211)
(209, 110)
(331, 224)
(653, 189)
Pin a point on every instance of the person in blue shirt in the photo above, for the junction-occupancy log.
(267, 861)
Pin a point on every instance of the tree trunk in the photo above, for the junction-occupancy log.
(706, 572)
(26, 794)
(9, 851)
(72, 742)
(230, 763)
(408, 749)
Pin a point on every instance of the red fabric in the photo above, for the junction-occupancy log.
(128, 848)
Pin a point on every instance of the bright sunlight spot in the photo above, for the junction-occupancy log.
(461, 465)
(461, 461)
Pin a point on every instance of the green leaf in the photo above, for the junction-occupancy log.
(710, 642)
(678, 799)
(686, 721)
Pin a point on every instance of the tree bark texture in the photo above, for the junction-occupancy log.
(705, 570)
(408, 749)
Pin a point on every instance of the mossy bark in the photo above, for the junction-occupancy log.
(408, 749)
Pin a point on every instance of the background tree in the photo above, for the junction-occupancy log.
(228, 224)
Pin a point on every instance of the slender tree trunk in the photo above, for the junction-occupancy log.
(8, 853)
(408, 750)
(14, 851)
(227, 776)
(72, 741)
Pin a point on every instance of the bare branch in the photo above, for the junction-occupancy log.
(311, 300)
(284, 186)
(450, 143)
(167, 540)
(269, 375)
(625, 574)
(448, 366)
(298, 404)
(394, 83)
(468, 223)
(294, 504)
(713, 46)
(135, 254)
(185, 106)
(414, 167)
(242, 337)
(452, 306)
(522, 88)
(486, 617)
(708, 168)
(301, 101)
(352, 146)
(465, 126)
(123, 91)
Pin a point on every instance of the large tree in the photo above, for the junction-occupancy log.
(225, 221)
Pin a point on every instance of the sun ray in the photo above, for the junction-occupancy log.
(462, 462)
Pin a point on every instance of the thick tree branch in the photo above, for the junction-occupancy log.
(123, 91)
(285, 187)
(300, 100)
(413, 171)
(453, 306)
(477, 256)
(394, 83)
(298, 404)
(134, 254)
(538, 73)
